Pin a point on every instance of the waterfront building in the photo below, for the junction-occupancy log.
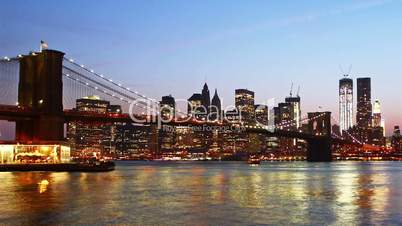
(167, 139)
(167, 107)
(89, 138)
(23, 154)
(244, 102)
(134, 141)
(345, 104)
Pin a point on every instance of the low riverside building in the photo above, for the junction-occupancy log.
(24, 154)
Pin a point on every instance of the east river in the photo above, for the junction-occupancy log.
(207, 193)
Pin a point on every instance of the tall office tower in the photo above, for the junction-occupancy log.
(296, 110)
(396, 140)
(345, 103)
(261, 114)
(383, 126)
(206, 98)
(364, 108)
(168, 107)
(244, 102)
(377, 131)
(196, 108)
(283, 116)
(377, 114)
(215, 108)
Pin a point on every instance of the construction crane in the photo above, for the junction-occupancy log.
(298, 90)
(291, 90)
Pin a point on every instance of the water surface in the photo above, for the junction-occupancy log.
(207, 193)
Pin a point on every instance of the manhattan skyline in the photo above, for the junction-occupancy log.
(145, 44)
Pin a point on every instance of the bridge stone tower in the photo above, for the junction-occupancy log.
(319, 148)
(40, 90)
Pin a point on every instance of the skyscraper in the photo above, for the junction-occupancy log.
(377, 130)
(206, 98)
(345, 103)
(296, 110)
(168, 107)
(215, 108)
(196, 108)
(261, 114)
(244, 102)
(199, 104)
(377, 114)
(364, 108)
(396, 139)
(283, 115)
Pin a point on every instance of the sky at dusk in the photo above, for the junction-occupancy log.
(172, 47)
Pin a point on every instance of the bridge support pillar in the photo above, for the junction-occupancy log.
(40, 89)
(319, 150)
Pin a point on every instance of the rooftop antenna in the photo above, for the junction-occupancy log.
(350, 69)
(341, 69)
(298, 90)
(345, 74)
(43, 46)
(291, 89)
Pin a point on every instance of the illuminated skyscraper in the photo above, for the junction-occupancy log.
(377, 114)
(206, 98)
(283, 116)
(244, 101)
(196, 108)
(364, 108)
(215, 108)
(377, 133)
(345, 103)
(296, 110)
(261, 114)
(168, 107)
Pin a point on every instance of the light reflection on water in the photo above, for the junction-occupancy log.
(207, 194)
